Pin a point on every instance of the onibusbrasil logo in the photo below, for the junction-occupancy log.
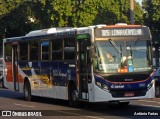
(21, 113)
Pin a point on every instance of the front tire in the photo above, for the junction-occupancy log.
(73, 97)
(27, 91)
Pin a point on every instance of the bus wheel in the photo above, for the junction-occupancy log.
(123, 103)
(73, 98)
(27, 91)
(157, 91)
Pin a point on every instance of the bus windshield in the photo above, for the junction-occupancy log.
(123, 56)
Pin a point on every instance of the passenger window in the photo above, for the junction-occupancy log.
(34, 50)
(8, 52)
(23, 52)
(69, 49)
(57, 49)
(45, 50)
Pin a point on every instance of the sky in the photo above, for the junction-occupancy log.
(140, 1)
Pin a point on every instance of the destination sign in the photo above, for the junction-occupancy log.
(114, 32)
(122, 32)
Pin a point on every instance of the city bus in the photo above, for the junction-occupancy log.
(100, 63)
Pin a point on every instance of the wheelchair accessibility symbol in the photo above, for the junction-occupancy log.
(130, 69)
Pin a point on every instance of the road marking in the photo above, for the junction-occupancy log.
(94, 117)
(150, 105)
(149, 101)
(23, 105)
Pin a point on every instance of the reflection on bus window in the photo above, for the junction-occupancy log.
(129, 56)
(45, 50)
(34, 50)
(107, 58)
(69, 49)
(57, 49)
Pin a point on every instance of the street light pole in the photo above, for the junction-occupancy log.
(132, 11)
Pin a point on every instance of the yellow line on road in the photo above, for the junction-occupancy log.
(23, 105)
(149, 101)
(94, 117)
(150, 105)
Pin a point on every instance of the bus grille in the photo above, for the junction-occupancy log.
(134, 93)
(127, 78)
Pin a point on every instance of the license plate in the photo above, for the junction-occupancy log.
(129, 94)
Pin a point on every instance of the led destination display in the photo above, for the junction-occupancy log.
(114, 32)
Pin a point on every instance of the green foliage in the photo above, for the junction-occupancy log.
(7, 5)
(138, 14)
(152, 17)
(62, 12)
(89, 12)
(18, 17)
(14, 19)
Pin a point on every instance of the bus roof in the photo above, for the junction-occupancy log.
(49, 31)
(63, 29)
(123, 26)
(43, 33)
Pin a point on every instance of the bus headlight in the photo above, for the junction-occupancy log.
(105, 87)
(102, 86)
(149, 85)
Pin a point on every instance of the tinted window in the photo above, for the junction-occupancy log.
(57, 49)
(45, 50)
(34, 50)
(8, 52)
(23, 51)
(69, 49)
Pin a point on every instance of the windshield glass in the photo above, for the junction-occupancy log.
(122, 56)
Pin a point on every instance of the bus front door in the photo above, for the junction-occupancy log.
(83, 73)
(15, 67)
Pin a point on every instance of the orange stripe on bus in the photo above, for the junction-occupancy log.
(122, 26)
(9, 76)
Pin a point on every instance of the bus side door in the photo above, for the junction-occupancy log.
(83, 69)
(15, 66)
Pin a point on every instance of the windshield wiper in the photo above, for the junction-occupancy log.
(115, 46)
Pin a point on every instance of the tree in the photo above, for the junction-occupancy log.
(6, 6)
(138, 13)
(89, 12)
(19, 17)
(152, 17)
(41, 13)
(14, 19)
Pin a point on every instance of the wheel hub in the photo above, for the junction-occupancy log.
(75, 95)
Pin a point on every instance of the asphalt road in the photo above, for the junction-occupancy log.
(44, 108)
